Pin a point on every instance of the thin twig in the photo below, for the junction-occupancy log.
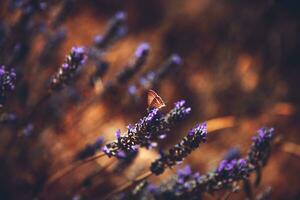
(129, 184)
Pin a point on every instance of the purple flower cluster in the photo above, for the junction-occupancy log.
(7, 82)
(235, 169)
(146, 132)
(72, 62)
(178, 152)
(177, 113)
(190, 186)
(261, 147)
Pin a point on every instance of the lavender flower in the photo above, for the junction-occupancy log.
(135, 63)
(233, 170)
(228, 172)
(90, 149)
(7, 82)
(153, 77)
(261, 147)
(72, 62)
(115, 30)
(181, 150)
(178, 113)
(7, 118)
(260, 151)
(124, 160)
(147, 131)
(139, 134)
(173, 62)
(233, 153)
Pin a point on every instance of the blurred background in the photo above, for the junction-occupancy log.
(240, 71)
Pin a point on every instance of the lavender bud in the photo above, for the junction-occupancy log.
(72, 62)
(7, 82)
(178, 113)
(261, 147)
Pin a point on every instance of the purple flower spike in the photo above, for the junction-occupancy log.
(142, 50)
(261, 147)
(72, 62)
(177, 153)
(178, 113)
(90, 149)
(115, 30)
(7, 82)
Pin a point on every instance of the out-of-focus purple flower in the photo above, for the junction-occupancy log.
(135, 64)
(90, 149)
(184, 174)
(115, 29)
(234, 169)
(153, 77)
(261, 147)
(6, 118)
(173, 62)
(28, 130)
(72, 62)
(177, 153)
(233, 153)
(132, 90)
(7, 82)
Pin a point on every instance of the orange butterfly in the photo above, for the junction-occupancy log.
(155, 101)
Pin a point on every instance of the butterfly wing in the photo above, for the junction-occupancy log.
(155, 101)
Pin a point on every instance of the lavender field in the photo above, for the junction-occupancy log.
(149, 100)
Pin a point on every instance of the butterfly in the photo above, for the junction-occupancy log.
(154, 101)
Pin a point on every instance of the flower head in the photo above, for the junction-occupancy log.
(116, 29)
(178, 152)
(261, 146)
(147, 131)
(72, 62)
(178, 113)
(7, 82)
